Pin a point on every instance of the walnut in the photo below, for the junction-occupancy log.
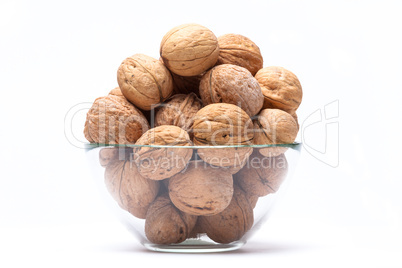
(165, 224)
(223, 124)
(274, 126)
(233, 84)
(107, 154)
(252, 199)
(187, 84)
(201, 189)
(281, 88)
(139, 212)
(294, 115)
(239, 50)
(116, 92)
(112, 119)
(179, 111)
(161, 163)
(189, 49)
(132, 191)
(233, 222)
(262, 175)
(144, 81)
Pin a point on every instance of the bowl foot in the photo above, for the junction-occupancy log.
(194, 246)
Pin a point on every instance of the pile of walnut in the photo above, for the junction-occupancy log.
(202, 91)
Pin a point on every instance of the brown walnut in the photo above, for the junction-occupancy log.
(158, 163)
(179, 111)
(144, 81)
(274, 126)
(189, 49)
(239, 50)
(223, 124)
(233, 84)
(113, 119)
(262, 175)
(165, 224)
(132, 191)
(232, 223)
(107, 154)
(116, 92)
(201, 189)
(281, 88)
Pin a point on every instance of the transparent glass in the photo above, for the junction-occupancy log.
(192, 198)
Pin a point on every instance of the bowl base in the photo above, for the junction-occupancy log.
(194, 246)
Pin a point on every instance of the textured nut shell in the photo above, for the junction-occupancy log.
(161, 163)
(189, 49)
(165, 224)
(238, 161)
(280, 87)
(106, 155)
(139, 212)
(222, 124)
(179, 111)
(232, 223)
(263, 175)
(294, 115)
(187, 84)
(233, 84)
(128, 187)
(112, 119)
(274, 126)
(116, 92)
(232, 159)
(201, 189)
(144, 81)
(252, 199)
(239, 50)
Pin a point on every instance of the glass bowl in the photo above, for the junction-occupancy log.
(192, 198)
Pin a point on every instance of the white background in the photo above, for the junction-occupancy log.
(57, 54)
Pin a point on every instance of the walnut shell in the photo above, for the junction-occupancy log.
(165, 224)
(223, 124)
(106, 155)
(179, 111)
(274, 126)
(144, 81)
(280, 87)
(113, 119)
(294, 115)
(233, 222)
(132, 191)
(262, 175)
(239, 50)
(252, 199)
(201, 189)
(189, 49)
(232, 159)
(116, 92)
(161, 163)
(233, 84)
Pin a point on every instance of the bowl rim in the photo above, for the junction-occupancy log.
(295, 145)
